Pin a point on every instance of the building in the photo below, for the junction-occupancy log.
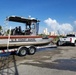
(46, 31)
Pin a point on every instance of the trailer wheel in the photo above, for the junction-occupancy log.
(22, 51)
(31, 50)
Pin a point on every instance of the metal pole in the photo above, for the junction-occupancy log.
(15, 66)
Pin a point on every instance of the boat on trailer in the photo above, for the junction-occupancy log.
(23, 41)
(27, 37)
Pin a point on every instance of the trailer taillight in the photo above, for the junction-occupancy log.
(70, 39)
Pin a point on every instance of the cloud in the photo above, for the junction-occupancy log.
(75, 22)
(74, 25)
(53, 25)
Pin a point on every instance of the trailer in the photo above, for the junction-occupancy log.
(23, 42)
(21, 51)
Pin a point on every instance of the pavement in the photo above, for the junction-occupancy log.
(58, 61)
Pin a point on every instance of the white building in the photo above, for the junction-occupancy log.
(46, 31)
(53, 33)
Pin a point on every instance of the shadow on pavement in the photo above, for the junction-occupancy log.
(6, 68)
(60, 64)
(67, 44)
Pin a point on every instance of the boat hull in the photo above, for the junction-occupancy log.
(15, 41)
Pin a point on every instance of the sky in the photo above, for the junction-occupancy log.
(55, 15)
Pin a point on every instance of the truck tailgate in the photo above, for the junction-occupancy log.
(65, 39)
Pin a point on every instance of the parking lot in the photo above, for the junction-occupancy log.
(57, 61)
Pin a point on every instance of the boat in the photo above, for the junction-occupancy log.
(18, 37)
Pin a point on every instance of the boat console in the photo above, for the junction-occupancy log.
(31, 25)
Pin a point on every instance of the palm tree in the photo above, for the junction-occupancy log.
(8, 32)
(0, 29)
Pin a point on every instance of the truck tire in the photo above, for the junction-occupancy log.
(58, 43)
(75, 43)
(31, 50)
(22, 51)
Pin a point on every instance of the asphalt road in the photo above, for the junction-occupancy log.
(58, 61)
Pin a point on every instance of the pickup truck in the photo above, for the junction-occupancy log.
(69, 39)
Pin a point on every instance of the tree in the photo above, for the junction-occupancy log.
(8, 32)
(0, 29)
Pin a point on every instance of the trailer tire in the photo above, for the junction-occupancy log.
(31, 50)
(22, 51)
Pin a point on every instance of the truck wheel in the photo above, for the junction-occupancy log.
(58, 43)
(22, 51)
(31, 50)
(75, 43)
